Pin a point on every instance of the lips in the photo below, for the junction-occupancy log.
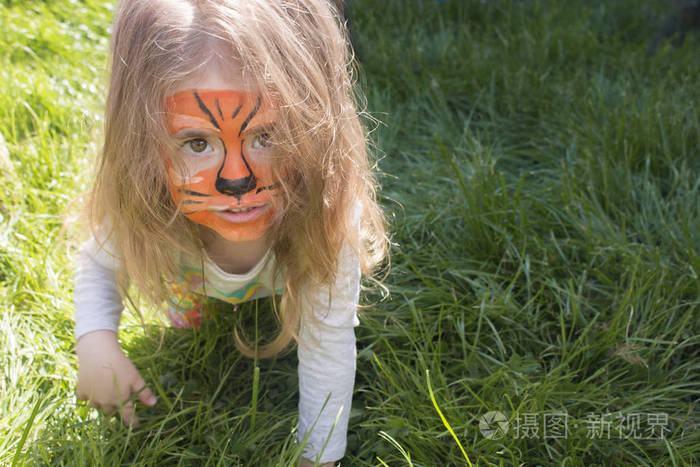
(240, 215)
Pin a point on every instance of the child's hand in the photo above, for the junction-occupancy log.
(107, 378)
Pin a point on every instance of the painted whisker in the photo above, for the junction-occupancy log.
(193, 193)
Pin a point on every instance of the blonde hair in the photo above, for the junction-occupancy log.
(296, 52)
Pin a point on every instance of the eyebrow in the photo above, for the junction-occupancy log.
(264, 120)
(181, 121)
(260, 128)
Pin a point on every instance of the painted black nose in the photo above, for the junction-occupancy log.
(237, 187)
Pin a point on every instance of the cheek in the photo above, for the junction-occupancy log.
(199, 179)
(193, 193)
(178, 180)
(265, 174)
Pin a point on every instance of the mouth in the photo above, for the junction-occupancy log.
(238, 215)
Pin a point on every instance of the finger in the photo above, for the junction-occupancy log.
(128, 414)
(107, 409)
(146, 397)
(81, 393)
(143, 393)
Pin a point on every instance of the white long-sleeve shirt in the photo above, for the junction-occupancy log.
(326, 350)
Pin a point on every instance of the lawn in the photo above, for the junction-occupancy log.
(540, 169)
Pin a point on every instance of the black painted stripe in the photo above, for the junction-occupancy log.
(206, 110)
(250, 116)
(235, 112)
(274, 186)
(218, 108)
(193, 193)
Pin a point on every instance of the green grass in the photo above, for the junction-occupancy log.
(541, 171)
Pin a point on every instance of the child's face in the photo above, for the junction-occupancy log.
(227, 184)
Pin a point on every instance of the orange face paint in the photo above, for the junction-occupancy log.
(226, 182)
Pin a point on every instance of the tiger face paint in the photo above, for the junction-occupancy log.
(226, 183)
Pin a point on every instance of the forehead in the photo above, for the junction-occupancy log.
(219, 110)
(219, 77)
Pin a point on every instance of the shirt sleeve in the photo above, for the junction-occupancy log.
(327, 356)
(98, 302)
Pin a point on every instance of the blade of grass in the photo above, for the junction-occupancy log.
(25, 432)
(444, 420)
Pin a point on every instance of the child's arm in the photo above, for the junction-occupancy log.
(98, 302)
(326, 371)
(327, 363)
(106, 377)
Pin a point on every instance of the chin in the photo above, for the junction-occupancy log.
(236, 232)
(241, 233)
(240, 237)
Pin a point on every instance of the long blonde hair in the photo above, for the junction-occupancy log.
(296, 52)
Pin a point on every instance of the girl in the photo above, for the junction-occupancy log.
(234, 166)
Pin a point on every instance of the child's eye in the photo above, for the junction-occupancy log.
(260, 141)
(197, 145)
